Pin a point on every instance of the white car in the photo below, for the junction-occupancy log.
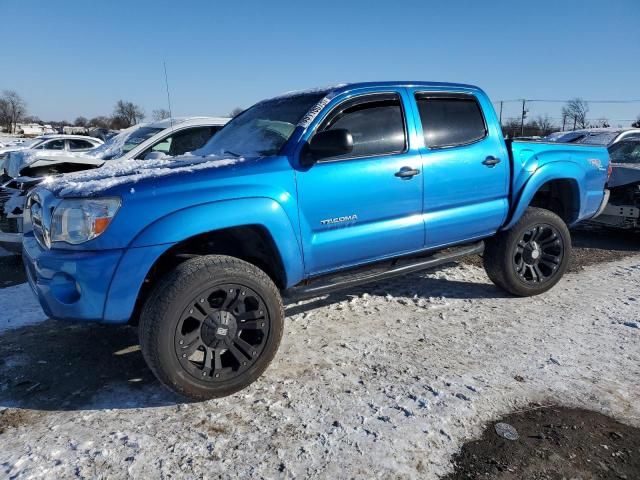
(594, 136)
(52, 143)
(22, 170)
(171, 137)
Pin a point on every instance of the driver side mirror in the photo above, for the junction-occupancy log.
(330, 143)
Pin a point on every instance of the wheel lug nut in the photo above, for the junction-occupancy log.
(217, 375)
(184, 355)
(244, 363)
(231, 290)
(254, 353)
(191, 311)
(204, 374)
(181, 342)
(262, 324)
(202, 300)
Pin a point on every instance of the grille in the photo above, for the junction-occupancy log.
(38, 221)
(7, 225)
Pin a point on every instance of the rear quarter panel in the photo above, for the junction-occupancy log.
(536, 163)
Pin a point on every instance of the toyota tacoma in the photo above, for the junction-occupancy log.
(298, 196)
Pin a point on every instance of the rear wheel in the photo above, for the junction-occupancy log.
(530, 258)
(211, 326)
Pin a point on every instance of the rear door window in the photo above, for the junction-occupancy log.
(449, 121)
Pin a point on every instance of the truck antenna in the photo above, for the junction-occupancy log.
(166, 82)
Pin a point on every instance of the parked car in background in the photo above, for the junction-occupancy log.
(302, 194)
(623, 209)
(594, 136)
(51, 143)
(23, 170)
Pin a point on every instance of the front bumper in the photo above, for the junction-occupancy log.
(70, 285)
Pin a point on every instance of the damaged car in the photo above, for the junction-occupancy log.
(24, 169)
(623, 208)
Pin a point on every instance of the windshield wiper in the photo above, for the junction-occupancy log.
(232, 153)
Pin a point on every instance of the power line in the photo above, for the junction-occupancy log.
(564, 101)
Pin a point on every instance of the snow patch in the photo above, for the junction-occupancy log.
(19, 308)
(122, 172)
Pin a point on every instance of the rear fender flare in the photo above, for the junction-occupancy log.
(561, 170)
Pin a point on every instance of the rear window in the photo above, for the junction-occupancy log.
(450, 121)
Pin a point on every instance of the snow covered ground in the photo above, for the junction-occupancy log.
(384, 382)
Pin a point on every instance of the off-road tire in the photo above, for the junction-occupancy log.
(501, 253)
(163, 310)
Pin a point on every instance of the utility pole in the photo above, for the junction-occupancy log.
(524, 114)
(501, 113)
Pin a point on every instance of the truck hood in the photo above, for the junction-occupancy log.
(19, 161)
(125, 173)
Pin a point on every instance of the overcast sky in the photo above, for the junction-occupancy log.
(70, 58)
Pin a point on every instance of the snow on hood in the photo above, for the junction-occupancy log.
(122, 172)
(18, 160)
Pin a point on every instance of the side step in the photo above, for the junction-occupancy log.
(380, 271)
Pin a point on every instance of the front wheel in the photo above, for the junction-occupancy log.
(531, 257)
(211, 326)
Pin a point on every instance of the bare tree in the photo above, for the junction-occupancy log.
(575, 111)
(235, 112)
(99, 122)
(127, 114)
(31, 119)
(80, 122)
(160, 114)
(636, 124)
(511, 128)
(12, 109)
(544, 124)
(601, 123)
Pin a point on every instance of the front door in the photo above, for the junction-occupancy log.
(366, 205)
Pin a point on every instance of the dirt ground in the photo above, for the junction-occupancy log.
(554, 443)
(387, 381)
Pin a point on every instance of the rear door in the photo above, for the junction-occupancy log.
(466, 167)
(355, 208)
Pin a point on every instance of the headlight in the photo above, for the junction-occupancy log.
(80, 220)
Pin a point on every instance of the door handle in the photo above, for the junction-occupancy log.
(407, 172)
(491, 161)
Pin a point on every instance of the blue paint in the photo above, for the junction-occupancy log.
(454, 199)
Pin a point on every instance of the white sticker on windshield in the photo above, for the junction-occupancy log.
(314, 111)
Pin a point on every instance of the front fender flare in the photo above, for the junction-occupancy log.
(160, 236)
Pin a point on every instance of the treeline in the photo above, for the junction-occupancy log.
(13, 110)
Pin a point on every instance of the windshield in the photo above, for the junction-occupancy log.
(600, 138)
(124, 142)
(263, 129)
(31, 143)
(625, 152)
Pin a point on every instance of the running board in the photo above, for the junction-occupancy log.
(380, 271)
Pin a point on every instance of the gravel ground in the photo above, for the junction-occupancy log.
(387, 381)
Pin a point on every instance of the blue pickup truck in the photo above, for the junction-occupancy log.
(301, 195)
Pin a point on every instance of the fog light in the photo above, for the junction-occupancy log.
(65, 288)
